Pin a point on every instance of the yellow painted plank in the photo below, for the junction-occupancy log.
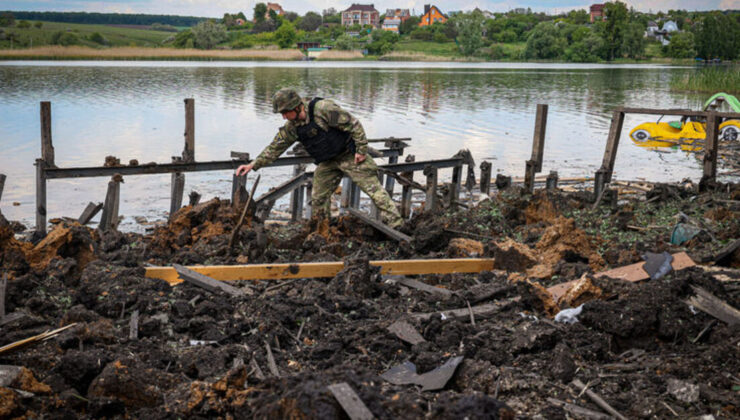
(323, 269)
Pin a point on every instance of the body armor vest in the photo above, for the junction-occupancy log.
(323, 144)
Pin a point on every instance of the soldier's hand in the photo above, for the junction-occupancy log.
(359, 158)
(244, 169)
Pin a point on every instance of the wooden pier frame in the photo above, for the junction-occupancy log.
(406, 190)
(431, 194)
(534, 164)
(711, 148)
(109, 218)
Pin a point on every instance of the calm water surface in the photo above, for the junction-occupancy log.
(134, 110)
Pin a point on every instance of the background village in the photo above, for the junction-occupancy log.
(605, 32)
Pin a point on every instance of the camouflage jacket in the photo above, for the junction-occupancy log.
(327, 114)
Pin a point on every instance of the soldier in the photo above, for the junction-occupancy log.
(336, 141)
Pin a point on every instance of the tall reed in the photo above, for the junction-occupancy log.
(709, 79)
(55, 52)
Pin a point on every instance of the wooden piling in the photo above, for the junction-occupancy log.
(389, 180)
(47, 147)
(406, 190)
(109, 218)
(188, 155)
(355, 196)
(40, 196)
(177, 189)
(2, 185)
(485, 177)
(604, 174)
(431, 199)
(194, 198)
(238, 190)
(534, 164)
(309, 193)
(454, 191)
(551, 182)
(711, 148)
(374, 210)
(344, 200)
(296, 197)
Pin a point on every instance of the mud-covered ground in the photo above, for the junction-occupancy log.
(199, 354)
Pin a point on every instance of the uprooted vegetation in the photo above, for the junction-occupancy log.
(195, 353)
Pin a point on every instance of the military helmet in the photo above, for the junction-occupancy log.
(285, 99)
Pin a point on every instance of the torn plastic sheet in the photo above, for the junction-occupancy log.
(657, 265)
(569, 316)
(405, 374)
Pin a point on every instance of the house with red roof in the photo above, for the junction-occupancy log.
(361, 14)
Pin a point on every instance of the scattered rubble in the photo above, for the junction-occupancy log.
(478, 343)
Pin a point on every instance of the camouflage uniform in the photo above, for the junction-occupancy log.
(328, 174)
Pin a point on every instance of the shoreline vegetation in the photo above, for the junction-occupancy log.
(58, 52)
(709, 80)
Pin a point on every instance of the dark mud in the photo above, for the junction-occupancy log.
(199, 354)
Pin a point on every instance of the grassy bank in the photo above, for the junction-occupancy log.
(82, 34)
(138, 53)
(710, 80)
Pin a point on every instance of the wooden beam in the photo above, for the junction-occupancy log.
(283, 188)
(453, 193)
(176, 192)
(188, 155)
(431, 199)
(534, 164)
(238, 189)
(2, 185)
(296, 196)
(109, 218)
(90, 211)
(711, 149)
(714, 306)
(612, 143)
(551, 182)
(390, 181)
(323, 269)
(464, 313)
(680, 112)
(205, 282)
(387, 230)
(47, 147)
(350, 402)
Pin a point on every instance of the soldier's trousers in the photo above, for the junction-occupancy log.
(328, 175)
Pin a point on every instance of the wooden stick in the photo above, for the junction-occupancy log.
(133, 326)
(599, 401)
(90, 211)
(2, 185)
(714, 306)
(271, 361)
(36, 338)
(244, 213)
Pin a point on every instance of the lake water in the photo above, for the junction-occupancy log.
(134, 110)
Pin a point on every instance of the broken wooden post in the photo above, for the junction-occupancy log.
(194, 198)
(431, 198)
(374, 210)
(47, 147)
(2, 185)
(485, 177)
(90, 211)
(534, 164)
(390, 182)
(40, 196)
(551, 182)
(177, 189)
(205, 282)
(238, 189)
(188, 154)
(711, 148)
(354, 196)
(109, 218)
(350, 401)
(604, 174)
(296, 197)
(453, 194)
(344, 200)
(309, 192)
(406, 190)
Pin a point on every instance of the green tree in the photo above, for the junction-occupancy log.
(286, 35)
(409, 25)
(208, 34)
(718, 36)
(291, 17)
(469, 32)
(634, 40)
(614, 28)
(344, 42)
(97, 38)
(310, 22)
(7, 19)
(228, 20)
(682, 45)
(184, 39)
(38, 24)
(544, 42)
(382, 42)
(260, 10)
(578, 17)
(586, 50)
(24, 24)
(64, 38)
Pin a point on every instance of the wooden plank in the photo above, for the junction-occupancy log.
(390, 182)
(485, 177)
(344, 197)
(538, 141)
(387, 230)
(350, 402)
(309, 193)
(679, 112)
(47, 147)
(714, 306)
(40, 196)
(631, 273)
(109, 218)
(431, 193)
(90, 211)
(176, 192)
(354, 195)
(2, 185)
(133, 326)
(419, 285)
(464, 313)
(3, 284)
(551, 182)
(238, 189)
(188, 155)
(323, 269)
(453, 194)
(283, 188)
(612, 143)
(205, 282)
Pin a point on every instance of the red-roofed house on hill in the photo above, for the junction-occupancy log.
(361, 14)
(597, 11)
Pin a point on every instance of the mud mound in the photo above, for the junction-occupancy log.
(192, 224)
(563, 241)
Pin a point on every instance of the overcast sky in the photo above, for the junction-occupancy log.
(216, 8)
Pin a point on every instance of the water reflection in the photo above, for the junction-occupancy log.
(135, 110)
